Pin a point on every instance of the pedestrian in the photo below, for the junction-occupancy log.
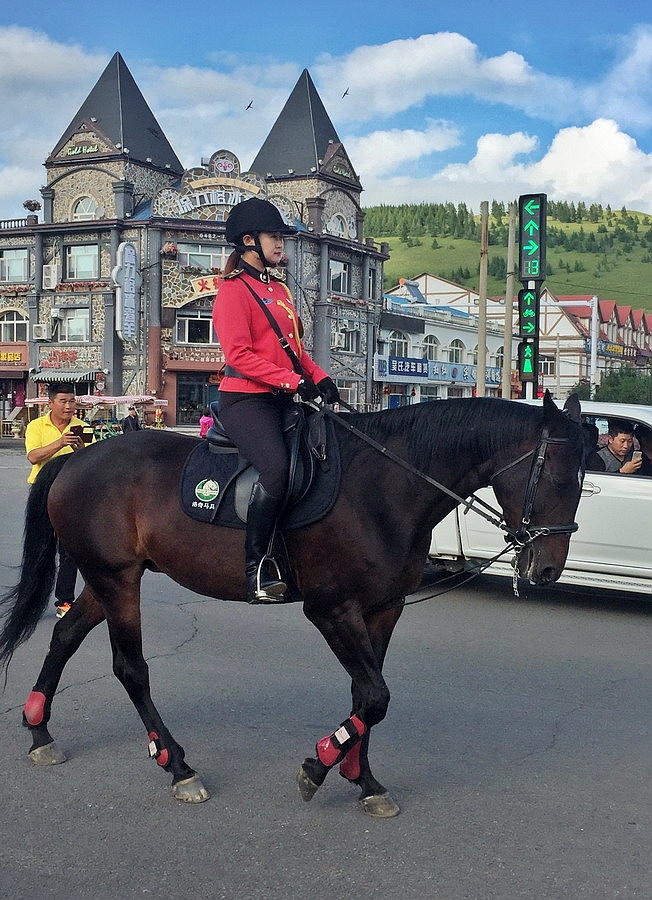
(260, 334)
(205, 422)
(46, 437)
(131, 421)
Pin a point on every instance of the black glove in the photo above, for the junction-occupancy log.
(307, 390)
(328, 389)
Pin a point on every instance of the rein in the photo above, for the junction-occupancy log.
(520, 537)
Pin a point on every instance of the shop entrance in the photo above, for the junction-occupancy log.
(193, 394)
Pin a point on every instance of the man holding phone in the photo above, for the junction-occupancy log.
(617, 456)
(46, 437)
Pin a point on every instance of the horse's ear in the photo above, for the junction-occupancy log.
(549, 406)
(572, 409)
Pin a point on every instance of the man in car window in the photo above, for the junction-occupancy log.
(617, 455)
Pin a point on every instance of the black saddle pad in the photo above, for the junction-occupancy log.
(216, 486)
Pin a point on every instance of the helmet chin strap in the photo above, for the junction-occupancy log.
(256, 248)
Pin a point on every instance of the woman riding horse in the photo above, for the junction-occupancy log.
(258, 329)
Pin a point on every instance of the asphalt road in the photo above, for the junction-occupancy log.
(517, 744)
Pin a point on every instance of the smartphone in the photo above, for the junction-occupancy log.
(85, 432)
(637, 454)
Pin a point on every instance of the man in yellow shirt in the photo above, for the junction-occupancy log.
(47, 437)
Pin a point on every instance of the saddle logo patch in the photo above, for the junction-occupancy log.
(207, 490)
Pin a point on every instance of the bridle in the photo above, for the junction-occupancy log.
(518, 538)
(523, 536)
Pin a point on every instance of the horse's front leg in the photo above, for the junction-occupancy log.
(374, 798)
(67, 637)
(347, 635)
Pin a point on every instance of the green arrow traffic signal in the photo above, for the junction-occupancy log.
(531, 252)
(528, 313)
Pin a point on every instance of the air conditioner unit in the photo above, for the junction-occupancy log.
(338, 340)
(50, 276)
(41, 332)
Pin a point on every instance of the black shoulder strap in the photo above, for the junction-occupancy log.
(298, 368)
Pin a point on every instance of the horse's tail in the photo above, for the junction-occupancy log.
(27, 601)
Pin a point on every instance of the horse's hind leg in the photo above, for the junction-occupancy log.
(67, 636)
(132, 671)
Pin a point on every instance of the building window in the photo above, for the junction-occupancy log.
(371, 284)
(13, 327)
(500, 358)
(82, 262)
(352, 341)
(74, 326)
(398, 344)
(547, 365)
(339, 277)
(14, 265)
(203, 256)
(337, 226)
(456, 352)
(430, 348)
(429, 392)
(84, 210)
(195, 326)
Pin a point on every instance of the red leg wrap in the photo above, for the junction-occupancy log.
(160, 754)
(334, 747)
(34, 709)
(350, 765)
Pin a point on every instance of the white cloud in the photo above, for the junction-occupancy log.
(384, 151)
(596, 163)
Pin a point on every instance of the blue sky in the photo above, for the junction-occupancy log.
(456, 102)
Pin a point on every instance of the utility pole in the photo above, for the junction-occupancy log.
(482, 318)
(508, 329)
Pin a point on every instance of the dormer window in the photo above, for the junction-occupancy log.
(84, 210)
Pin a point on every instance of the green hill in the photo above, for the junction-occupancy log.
(590, 250)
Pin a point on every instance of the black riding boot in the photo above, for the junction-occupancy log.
(264, 584)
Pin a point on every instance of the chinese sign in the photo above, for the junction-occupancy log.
(126, 278)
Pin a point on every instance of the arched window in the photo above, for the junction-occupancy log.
(337, 226)
(430, 348)
(13, 326)
(84, 209)
(398, 344)
(456, 351)
(500, 357)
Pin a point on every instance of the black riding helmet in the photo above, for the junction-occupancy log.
(251, 217)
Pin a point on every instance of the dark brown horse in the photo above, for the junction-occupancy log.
(115, 507)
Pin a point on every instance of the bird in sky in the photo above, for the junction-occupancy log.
(251, 103)
(345, 93)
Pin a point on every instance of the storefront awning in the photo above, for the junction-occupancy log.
(75, 375)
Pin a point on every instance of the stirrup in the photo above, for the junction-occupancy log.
(274, 591)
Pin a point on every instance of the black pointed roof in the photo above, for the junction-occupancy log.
(116, 110)
(301, 136)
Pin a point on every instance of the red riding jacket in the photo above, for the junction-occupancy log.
(250, 345)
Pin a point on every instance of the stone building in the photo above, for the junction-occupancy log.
(113, 288)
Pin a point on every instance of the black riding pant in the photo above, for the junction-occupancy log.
(254, 422)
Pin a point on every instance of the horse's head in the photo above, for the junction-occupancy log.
(540, 490)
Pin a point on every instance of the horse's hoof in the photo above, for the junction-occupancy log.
(190, 790)
(47, 755)
(380, 806)
(307, 787)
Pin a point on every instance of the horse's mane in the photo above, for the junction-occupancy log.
(482, 425)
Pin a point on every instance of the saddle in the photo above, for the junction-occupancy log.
(217, 480)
